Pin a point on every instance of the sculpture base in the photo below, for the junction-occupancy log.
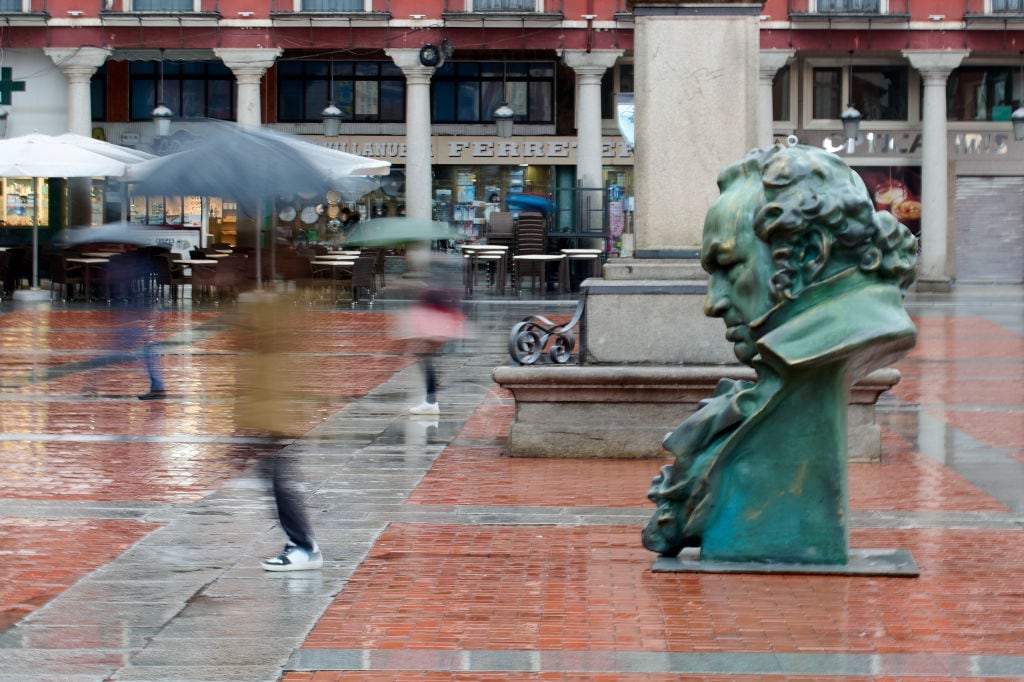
(893, 563)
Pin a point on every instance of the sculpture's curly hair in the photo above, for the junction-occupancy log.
(807, 188)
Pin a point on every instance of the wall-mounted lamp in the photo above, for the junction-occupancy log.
(503, 118)
(850, 117)
(331, 114)
(503, 113)
(162, 114)
(3, 122)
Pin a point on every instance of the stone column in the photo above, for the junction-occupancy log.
(771, 62)
(696, 74)
(590, 68)
(418, 183)
(935, 67)
(248, 65)
(78, 65)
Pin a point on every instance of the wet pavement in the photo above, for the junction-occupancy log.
(131, 532)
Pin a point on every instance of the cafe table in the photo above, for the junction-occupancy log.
(474, 253)
(89, 265)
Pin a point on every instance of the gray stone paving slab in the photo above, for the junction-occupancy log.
(611, 662)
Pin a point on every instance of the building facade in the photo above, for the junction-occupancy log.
(417, 84)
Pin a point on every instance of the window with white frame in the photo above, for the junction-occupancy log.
(878, 92)
(163, 5)
(504, 5)
(1004, 6)
(849, 6)
(333, 5)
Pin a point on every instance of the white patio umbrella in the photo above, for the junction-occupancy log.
(44, 156)
(250, 164)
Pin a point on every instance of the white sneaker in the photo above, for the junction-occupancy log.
(425, 408)
(294, 558)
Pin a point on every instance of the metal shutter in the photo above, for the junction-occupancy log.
(990, 229)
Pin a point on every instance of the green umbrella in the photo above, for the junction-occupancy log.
(382, 232)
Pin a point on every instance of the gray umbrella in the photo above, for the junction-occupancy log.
(248, 164)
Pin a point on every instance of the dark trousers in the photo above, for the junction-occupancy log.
(290, 510)
(429, 376)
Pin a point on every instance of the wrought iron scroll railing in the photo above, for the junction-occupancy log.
(529, 339)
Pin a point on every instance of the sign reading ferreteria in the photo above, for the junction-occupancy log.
(467, 150)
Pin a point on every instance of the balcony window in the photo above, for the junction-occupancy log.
(983, 93)
(12, 7)
(504, 5)
(364, 91)
(849, 6)
(164, 6)
(1009, 6)
(468, 92)
(331, 6)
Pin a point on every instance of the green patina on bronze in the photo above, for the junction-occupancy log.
(809, 280)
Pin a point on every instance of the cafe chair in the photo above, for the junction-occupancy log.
(531, 258)
(170, 275)
(65, 275)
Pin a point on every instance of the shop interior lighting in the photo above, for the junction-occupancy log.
(850, 117)
(331, 113)
(504, 114)
(1017, 117)
(162, 114)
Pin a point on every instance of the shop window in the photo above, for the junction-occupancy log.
(980, 93)
(617, 79)
(190, 89)
(364, 91)
(782, 95)
(98, 94)
(20, 201)
(469, 92)
(880, 93)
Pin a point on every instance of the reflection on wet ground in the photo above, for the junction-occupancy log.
(131, 531)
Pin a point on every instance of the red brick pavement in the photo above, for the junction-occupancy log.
(40, 558)
(479, 587)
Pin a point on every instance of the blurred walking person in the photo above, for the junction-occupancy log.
(266, 381)
(435, 318)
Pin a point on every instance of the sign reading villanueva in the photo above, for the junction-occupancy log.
(464, 150)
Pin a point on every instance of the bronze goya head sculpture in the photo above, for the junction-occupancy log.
(808, 279)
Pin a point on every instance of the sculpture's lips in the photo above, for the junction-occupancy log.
(735, 333)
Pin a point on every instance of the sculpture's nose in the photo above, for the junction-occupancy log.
(717, 301)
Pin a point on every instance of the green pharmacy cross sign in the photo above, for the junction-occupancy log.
(9, 85)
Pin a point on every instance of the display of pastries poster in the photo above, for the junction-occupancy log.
(896, 189)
